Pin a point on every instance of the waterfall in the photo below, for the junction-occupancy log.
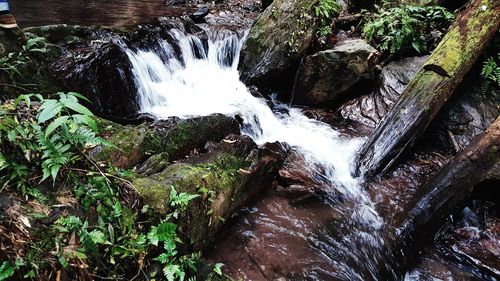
(203, 79)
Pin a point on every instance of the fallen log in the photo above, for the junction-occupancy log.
(443, 194)
(431, 87)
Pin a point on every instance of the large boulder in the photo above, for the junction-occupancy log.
(229, 175)
(328, 76)
(276, 43)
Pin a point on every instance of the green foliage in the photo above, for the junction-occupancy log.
(49, 136)
(180, 201)
(6, 270)
(174, 265)
(44, 138)
(27, 61)
(395, 28)
(490, 74)
(324, 12)
(12, 62)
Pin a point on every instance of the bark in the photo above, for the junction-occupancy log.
(431, 87)
(443, 194)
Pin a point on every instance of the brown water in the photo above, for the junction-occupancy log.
(89, 12)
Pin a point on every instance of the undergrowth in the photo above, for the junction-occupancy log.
(324, 12)
(43, 159)
(392, 29)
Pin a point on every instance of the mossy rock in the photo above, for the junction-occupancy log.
(225, 181)
(132, 145)
(277, 41)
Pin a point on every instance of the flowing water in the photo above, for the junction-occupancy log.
(205, 80)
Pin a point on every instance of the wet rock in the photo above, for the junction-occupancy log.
(467, 247)
(369, 109)
(328, 76)
(103, 74)
(225, 179)
(176, 138)
(276, 42)
(297, 178)
(199, 15)
(469, 112)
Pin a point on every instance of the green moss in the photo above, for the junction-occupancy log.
(209, 179)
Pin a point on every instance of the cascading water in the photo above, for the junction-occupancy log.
(204, 80)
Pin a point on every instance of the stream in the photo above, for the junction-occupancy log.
(340, 232)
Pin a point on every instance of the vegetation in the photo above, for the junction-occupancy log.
(44, 141)
(393, 29)
(27, 60)
(490, 73)
(324, 12)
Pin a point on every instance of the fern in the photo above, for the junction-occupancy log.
(398, 27)
(490, 74)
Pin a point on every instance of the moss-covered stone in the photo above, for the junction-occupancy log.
(132, 145)
(224, 180)
(277, 41)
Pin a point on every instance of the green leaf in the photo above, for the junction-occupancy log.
(87, 120)
(6, 270)
(75, 106)
(78, 95)
(218, 268)
(49, 111)
(171, 271)
(166, 231)
(55, 124)
(97, 237)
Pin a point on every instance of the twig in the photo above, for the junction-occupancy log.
(453, 141)
(347, 18)
(97, 167)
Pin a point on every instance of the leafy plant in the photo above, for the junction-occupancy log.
(6, 270)
(52, 134)
(44, 138)
(490, 74)
(325, 11)
(395, 28)
(180, 201)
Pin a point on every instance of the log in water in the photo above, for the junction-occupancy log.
(442, 195)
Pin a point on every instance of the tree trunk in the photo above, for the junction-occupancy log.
(443, 194)
(431, 87)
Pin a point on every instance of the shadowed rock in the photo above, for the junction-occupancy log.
(328, 76)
